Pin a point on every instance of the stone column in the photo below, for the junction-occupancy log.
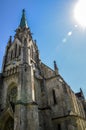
(32, 116)
(26, 110)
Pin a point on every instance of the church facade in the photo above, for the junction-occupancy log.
(32, 95)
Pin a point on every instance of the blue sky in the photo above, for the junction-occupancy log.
(54, 27)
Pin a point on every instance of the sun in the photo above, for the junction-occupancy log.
(80, 13)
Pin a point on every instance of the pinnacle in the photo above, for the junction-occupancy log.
(23, 22)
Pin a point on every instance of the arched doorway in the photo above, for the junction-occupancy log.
(9, 125)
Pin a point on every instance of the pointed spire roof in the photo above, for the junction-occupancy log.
(23, 22)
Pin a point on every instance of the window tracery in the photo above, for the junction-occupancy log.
(11, 98)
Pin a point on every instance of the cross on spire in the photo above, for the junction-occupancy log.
(23, 22)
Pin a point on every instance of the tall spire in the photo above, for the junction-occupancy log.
(23, 22)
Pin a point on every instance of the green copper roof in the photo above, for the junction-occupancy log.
(23, 22)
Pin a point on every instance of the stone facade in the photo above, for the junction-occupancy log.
(32, 95)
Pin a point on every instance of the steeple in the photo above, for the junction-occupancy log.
(23, 22)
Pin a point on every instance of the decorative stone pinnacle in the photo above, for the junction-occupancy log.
(55, 67)
(10, 40)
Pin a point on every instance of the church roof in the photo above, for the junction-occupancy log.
(23, 22)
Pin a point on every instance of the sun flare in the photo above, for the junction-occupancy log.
(80, 13)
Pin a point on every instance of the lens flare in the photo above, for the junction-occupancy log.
(80, 13)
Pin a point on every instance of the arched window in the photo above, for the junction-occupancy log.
(13, 94)
(19, 50)
(11, 54)
(11, 97)
(16, 50)
(54, 97)
(8, 57)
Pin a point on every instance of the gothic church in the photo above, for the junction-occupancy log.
(32, 95)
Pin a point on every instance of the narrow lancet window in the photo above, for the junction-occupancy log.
(54, 97)
(11, 54)
(59, 126)
(19, 50)
(16, 50)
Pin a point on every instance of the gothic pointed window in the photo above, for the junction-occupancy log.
(54, 97)
(8, 57)
(11, 98)
(11, 54)
(19, 50)
(16, 50)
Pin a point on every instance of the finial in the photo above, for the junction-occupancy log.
(55, 65)
(10, 41)
(55, 68)
(80, 90)
(82, 94)
(23, 22)
(23, 10)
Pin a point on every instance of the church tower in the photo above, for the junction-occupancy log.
(21, 60)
